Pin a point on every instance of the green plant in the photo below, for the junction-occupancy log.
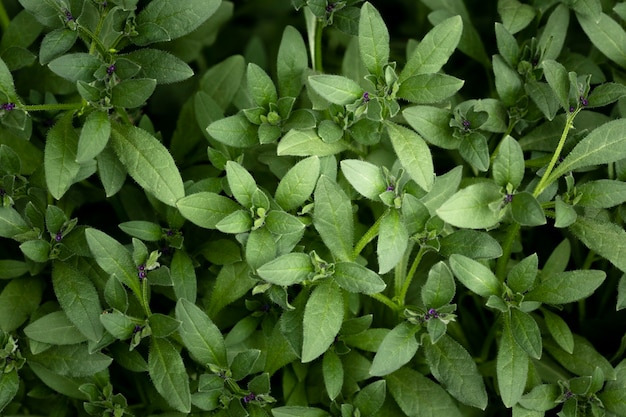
(346, 224)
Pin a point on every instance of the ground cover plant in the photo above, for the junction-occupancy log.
(312, 208)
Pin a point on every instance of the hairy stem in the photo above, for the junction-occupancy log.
(51, 107)
(371, 233)
(410, 275)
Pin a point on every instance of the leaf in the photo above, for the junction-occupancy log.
(475, 150)
(606, 239)
(111, 171)
(333, 218)
(544, 97)
(475, 276)
(9, 384)
(18, 300)
(455, 369)
(168, 374)
(553, 36)
(206, 209)
(508, 47)
(79, 66)
(583, 360)
(223, 80)
(113, 258)
(526, 210)
(232, 283)
(601, 193)
(605, 94)
(433, 124)
(78, 297)
(332, 370)
(288, 269)
(397, 349)
(162, 66)
(54, 328)
(511, 367)
(336, 88)
(435, 48)
(148, 162)
(291, 63)
(323, 316)
(365, 177)
(471, 243)
(11, 222)
(526, 332)
(393, 239)
(260, 86)
(183, 275)
(566, 287)
(94, 136)
(132, 93)
(607, 35)
(373, 40)
(559, 330)
(72, 360)
(171, 20)
(60, 163)
(56, 43)
(36, 250)
(439, 288)
(429, 88)
(307, 143)
(298, 411)
(353, 277)
(558, 79)
(522, 275)
(621, 294)
(418, 396)
(508, 165)
(413, 153)
(471, 206)
(200, 335)
(297, 185)
(235, 131)
(515, 15)
(508, 81)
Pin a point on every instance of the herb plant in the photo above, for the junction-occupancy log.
(272, 208)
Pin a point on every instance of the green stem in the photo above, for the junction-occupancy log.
(95, 41)
(400, 269)
(507, 249)
(51, 107)
(317, 62)
(4, 17)
(385, 300)
(144, 297)
(410, 275)
(367, 237)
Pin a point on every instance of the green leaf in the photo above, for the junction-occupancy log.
(183, 276)
(522, 276)
(508, 81)
(607, 35)
(336, 88)
(353, 277)
(558, 79)
(435, 48)
(583, 360)
(606, 239)
(605, 94)
(559, 330)
(526, 210)
(148, 162)
(162, 325)
(601, 193)
(419, 396)
(162, 66)
(365, 177)
(282, 223)
(113, 258)
(323, 316)
(132, 93)
(439, 288)
(393, 239)
(508, 165)
(526, 332)
(260, 247)
(433, 124)
(515, 15)
(413, 153)
(429, 88)
(566, 287)
(206, 209)
(73, 360)
(141, 229)
(333, 218)
(260, 86)
(94, 136)
(232, 283)
(288, 269)
(60, 163)
(235, 131)
(79, 66)
(511, 367)
(241, 183)
(471, 206)
(542, 397)
(11, 223)
(56, 43)
(297, 185)
(9, 384)
(612, 395)
(475, 150)
(307, 143)
(18, 300)
(168, 374)
(201, 337)
(291, 63)
(471, 243)
(373, 40)
(7, 85)
(171, 20)
(54, 328)
(111, 171)
(79, 299)
(553, 36)
(397, 349)
(10, 268)
(508, 47)
(455, 369)
(37, 250)
(371, 398)
(223, 80)
(621, 294)
(298, 411)
(332, 371)
(475, 276)
(544, 97)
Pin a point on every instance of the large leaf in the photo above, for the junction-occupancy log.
(60, 163)
(206, 209)
(397, 348)
(393, 239)
(373, 40)
(566, 287)
(413, 153)
(323, 316)
(607, 35)
(168, 374)
(471, 207)
(73, 360)
(148, 162)
(606, 239)
(18, 300)
(333, 218)
(511, 367)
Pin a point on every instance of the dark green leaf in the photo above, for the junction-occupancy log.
(353, 277)
(60, 156)
(373, 40)
(36, 250)
(288, 269)
(601, 193)
(79, 66)
(526, 210)
(566, 287)
(183, 276)
(475, 150)
(235, 131)
(332, 370)
(9, 384)
(604, 238)
(413, 153)
(132, 93)
(607, 35)
(241, 183)
(515, 15)
(429, 88)
(397, 349)
(542, 397)
(335, 88)
(333, 218)
(558, 79)
(18, 300)
(471, 243)
(168, 374)
(370, 399)
(439, 288)
(526, 332)
(522, 276)
(298, 411)
(583, 360)
(73, 360)
(544, 97)
(559, 330)
(605, 94)
(56, 43)
(162, 66)
(323, 316)
(508, 82)
(511, 367)
(54, 328)
(222, 81)
(111, 171)
(260, 86)
(94, 136)
(475, 276)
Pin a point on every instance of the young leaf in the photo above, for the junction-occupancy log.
(558, 79)
(323, 316)
(607, 35)
(353, 277)
(148, 162)
(475, 276)
(566, 287)
(544, 97)
(60, 163)
(433, 124)
(455, 369)
(365, 177)
(206, 209)
(111, 171)
(333, 218)
(241, 183)
(288, 269)
(393, 239)
(335, 88)
(522, 276)
(307, 143)
(471, 206)
(201, 337)
(9, 385)
(507, 80)
(291, 62)
(332, 370)
(475, 150)
(429, 88)
(298, 183)
(94, 136)
(260, 247)
(511, 367)
(515, 15)
(413, 153)
(162, 66)
(471, 243)
(526, 210)
(373, 40)
(56, 43)
(168, 374)
(435, 49)
(397, 349)
(439, 288)
(235, 131)
(508, 165)
(260, 86)
(559, 330)
(508, 47)
(526, 332)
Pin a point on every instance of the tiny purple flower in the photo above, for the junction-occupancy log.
(433, 313)
(366, 97)
(142, 271)
(8, 106)
(572, 109)
(68, 15)
(58, 236)
(568, 394)
(466, 124)
(169, 232)
(137, 329)
(330, 7)
(390, 187)
(584, 101)
(508, 198)
(249, 397)
(104, 4)
(111, 69)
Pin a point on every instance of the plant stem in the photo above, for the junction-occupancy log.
(371, 233)
(51, 107)
(410, 275)
(317, 62)
(144, 297)
(400, 269)
(4, 17)
(385, 300)
(507, 249)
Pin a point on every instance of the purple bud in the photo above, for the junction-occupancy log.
(141, 267)
(169, 232)
(8, 106)
(366, 97)
(390, 187)
(58, 236)
(137, 329)
(508, 198)
(249, 397)
(111, 69)
(572, 109)
(68, 15)
(330, 7)
(584, 101)
(466, 124)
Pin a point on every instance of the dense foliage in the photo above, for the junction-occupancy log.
(312, 208)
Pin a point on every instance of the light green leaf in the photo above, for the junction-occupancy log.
(455, 369)
(515, 15)
(471, 243)
(56, 43)
(508, 165)
(333, 373)
(606, 239)
(558, 79)
(373, 40)
(260, 86)
(333, 218)
(526, 210)
(397, 349)
(522, 275)
(566, 287)
(298, 183)
(471, 206)
(79, 66)
(475, 276)
(336, 88)
(353, 277)
(511, 367)
(241, 183)
(433, 124)
(307, 143)
(601, 193)
(413, 153)
(429, 88)
(607, 35)
(526, 332)
(235, 131)
(148, 162)
(507, 80)
(475, 150)
(9, 385)
(60, 163)
(291, 62)
(206, 209)
(94, 136)
(393, 239)
(365, 177)
(168, 374)
(439, 288)
(435, 49)
(288, 269)
(323, 316)
(298, 411)
(559, 330)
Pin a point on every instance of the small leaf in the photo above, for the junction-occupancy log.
(183, 276)
(298, 183)
(559, 330)
(397, 349)
(429, 88)
(56, 43)
(566, 287)
(373, 40)
(323, 316)
(413, 153)
(336, 88)
(353, 277)
(511, 367)
(168, 374)
(307, 143)
(526, 210)
(393, 239)
(475, 276)
(558, 80)
(515, 15)
(365, 177)
(260, 86)
(471, 243)
(333, 218)
(288, 269)
(132, 93)
(18, 300)
(475, 150)
(9, 385)
(526, 332)
(471, 206)
(523, 275)
(60, 163)
(332, 370)
(508, 165)
(439, 288)
(235, 131)
(606, 239)
(206, 209)
(433, 124)
(94, 136)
